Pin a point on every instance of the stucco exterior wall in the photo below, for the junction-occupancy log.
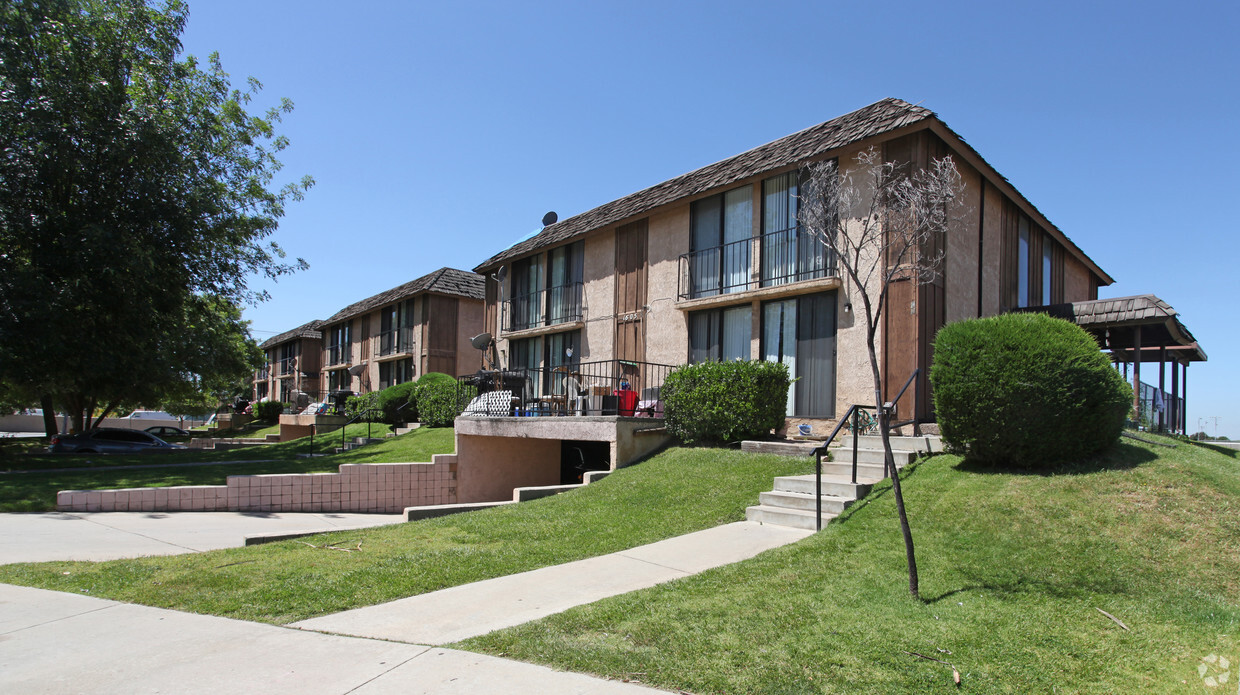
(667, 331)
(991, 250)
(599, 296)
(488, 468)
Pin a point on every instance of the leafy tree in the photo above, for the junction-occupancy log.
(883, 225)
(135, 198)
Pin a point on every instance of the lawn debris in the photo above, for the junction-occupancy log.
(230, 564)
(1117, 620)
(955, 673)
(335, 546)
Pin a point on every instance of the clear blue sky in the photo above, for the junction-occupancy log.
(439, 133)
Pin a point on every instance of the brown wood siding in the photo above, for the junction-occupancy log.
(631, 268)
(490, 317)
(900, 342)
(1009, 257)
(1036, 238)
(1057, 253)
(441, 318)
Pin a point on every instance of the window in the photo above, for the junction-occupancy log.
(800, 333)
(720, 334)
(395, 372)
(721, 228)
(339, 344)
(395, 329)
(1022, 263)
(260, 390)
(563, 350)
(525, 308)
(565, 266)
(788, 255)
(339, 380)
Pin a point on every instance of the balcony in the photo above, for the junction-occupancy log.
(608, 387)
(398, 341)
(784, 257)
(286, 367)
(549, 307)
(339, 355)
(263, 374)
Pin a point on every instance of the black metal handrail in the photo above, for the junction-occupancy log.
(339, 354)
(892, 405)
(853, 413)
(716, 270)
(546, 307)
(394, 342)
(783, 256)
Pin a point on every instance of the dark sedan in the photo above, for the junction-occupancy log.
(109, 440)
(165, 431)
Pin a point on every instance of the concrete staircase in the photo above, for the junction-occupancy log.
(792, 502)
(403, 430)
(357, 443)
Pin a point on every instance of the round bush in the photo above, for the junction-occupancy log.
(392, 401)
(437, 398)
(721, 402)
(270, 411)
(1025, 390)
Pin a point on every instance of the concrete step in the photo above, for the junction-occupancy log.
(923, 444)
(783, 448)
(802, 501)
(779, 516)
(834, 485)
(874, 456)
(363, 441)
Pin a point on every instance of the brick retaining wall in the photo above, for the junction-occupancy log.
(358, 487)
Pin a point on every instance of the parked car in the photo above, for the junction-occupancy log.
(149, 415)
(165, 431)
(109, 440)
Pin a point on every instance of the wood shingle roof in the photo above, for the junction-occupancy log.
(451, 281)
(306, 330)
(879, 117)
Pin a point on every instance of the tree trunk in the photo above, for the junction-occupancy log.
(889, 463)
(49, 417)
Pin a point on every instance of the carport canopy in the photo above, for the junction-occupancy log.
(1138, 329)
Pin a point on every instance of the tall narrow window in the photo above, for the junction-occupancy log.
(1047, 264)
(721, 228)
(565, 269)
(1022, 264)
(526, 306)
(801, 334)
(720, 334)
(788, 255)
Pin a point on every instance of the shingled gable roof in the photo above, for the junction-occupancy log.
(461, 283)
(876, 119)
(305, 330)
(1145, 310)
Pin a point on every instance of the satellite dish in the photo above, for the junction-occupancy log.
(550, 218)
(481, 341)
(502, 273)
(357, 369)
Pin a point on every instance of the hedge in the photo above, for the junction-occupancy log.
(437, 399)
(723, 402)
(1025, 390)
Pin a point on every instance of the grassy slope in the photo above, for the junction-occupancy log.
(33, 492)
(676, 492)
(1013, 568)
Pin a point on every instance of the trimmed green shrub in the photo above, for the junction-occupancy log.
(269, 411)
(437, 398)
(391, 400)
(721, 402)
(1025, 390)
(355, 406)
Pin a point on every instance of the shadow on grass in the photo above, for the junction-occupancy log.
(879, 493)
(1121, 456)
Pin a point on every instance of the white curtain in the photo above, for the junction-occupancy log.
(779, 339)
(737, 227)
(737, 333)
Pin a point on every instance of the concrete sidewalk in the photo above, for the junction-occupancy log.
(44, 536)
(53, 642)
(460, 612)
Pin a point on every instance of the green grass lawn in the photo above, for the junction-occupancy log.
(675, 492)
(1014, 568)
(34, 492)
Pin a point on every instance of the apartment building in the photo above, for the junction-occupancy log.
(396, 336)
(294, 360)
(714, 264)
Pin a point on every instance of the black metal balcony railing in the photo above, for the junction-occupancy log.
(263, 374)
(549, 307)
(609, 387)
(398, 341)
(339, 354)
(286, 367)
(788, 255)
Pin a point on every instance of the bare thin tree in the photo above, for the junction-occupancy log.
(882, 225)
